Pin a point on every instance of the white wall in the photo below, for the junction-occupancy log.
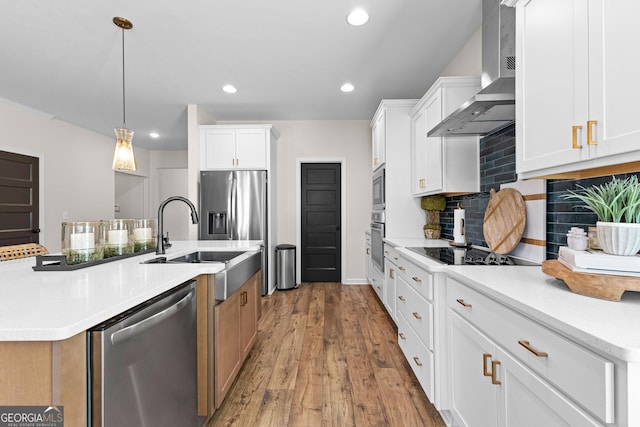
(75, 167)
(468, 61)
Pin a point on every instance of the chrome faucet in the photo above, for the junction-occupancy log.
(160, 244)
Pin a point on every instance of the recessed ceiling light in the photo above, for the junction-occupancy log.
(154, 134)
(347, 87)
(229, 89)
(358, 17)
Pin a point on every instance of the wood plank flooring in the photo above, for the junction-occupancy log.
(326, 355)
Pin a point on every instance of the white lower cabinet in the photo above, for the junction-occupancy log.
(415, 319)
(508, 370)
(377, 281)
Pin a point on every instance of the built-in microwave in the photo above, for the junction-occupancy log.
(378, 190)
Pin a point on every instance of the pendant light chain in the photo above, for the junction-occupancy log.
(124, 115)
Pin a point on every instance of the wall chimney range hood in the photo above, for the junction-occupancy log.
(493, 108)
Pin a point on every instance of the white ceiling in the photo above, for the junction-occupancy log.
(288, 59)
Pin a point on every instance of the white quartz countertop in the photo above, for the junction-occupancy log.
(608, 326)
(55, 305)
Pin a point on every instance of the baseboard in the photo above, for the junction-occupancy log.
(355, 282)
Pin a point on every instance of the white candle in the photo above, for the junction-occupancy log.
(142, 234)
(82, 241)
(117, 237)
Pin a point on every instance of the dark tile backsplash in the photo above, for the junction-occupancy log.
(497, 166)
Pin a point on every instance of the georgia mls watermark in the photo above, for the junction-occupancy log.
(31, 416)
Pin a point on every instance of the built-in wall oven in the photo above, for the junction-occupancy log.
(377, 234)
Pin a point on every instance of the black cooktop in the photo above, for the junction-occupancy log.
(469, 256)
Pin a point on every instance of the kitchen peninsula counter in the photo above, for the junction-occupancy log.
(56, 305)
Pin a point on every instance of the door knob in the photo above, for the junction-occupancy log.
(35, 230)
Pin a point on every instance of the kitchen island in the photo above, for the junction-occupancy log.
(44, 316)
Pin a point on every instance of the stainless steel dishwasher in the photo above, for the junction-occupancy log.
(143, 369)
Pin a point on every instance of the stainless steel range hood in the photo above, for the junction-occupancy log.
(493, 108)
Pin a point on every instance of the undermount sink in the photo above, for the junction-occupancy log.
(206, 256)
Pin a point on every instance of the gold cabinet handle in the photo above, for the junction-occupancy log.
(421, 183)
(375, 161)
(574, 137)
(386, 252)
(368, 251)
(379, 287)
(392, 273)
(395, 257)
(485, 371)
(401, 298)
(401, 335)
(526, 345)
(462, 303)
(494, 363)
(416, 279)
(415, 359)
(417, 315)
(401, 268)
(590, 125)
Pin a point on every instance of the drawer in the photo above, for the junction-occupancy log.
(417, 311)
(418, 356)
(584, 376)
(419, 279)
(377, 283)
(391, 254)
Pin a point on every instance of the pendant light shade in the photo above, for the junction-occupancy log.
(123, 158)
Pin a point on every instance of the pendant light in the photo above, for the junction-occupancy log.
(123, 159)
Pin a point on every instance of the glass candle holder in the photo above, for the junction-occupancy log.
(144, 234)
(119, 237)
(82, 241)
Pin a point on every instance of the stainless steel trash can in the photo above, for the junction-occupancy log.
(286, 266)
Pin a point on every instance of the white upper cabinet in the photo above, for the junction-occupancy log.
(235, 147)
(378, 139)
(576, 85)
(443, 164)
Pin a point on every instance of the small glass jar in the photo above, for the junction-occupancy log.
(144, 234)
(119, 237)
(82, 241)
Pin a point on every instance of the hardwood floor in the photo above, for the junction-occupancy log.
(326, 355)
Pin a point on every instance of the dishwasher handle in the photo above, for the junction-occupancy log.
(130, 331)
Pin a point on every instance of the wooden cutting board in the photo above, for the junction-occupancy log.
(504, 220)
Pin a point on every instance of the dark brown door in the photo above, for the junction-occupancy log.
(320, 206)
(19, 214)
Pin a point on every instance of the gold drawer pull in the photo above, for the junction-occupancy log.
(401, 335)
(462, 303)
(526, 345)
(386, 252)
(574, 137)
(401, 298)
(395, 257)
(485, 372)
(494, 363)
(415, 359)
(590, 124)
(416, 279)
(368, 251)
(401, 268)
(392, 273)
(416, 315)
(379, 287)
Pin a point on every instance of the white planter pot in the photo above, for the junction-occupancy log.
(617, 238)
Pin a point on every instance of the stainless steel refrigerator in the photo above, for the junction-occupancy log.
(233, 206)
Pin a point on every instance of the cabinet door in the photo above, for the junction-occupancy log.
(249, 314)
(251, 148)
(218, 149)
(473, 396)
(379, 137)
(613, 75)
(527, 401)
(552, 79)
(418, 152)
(390, 288)
(433, 145)
(227, 345)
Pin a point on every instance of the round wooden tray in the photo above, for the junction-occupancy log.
(603, 286)
(504, 220)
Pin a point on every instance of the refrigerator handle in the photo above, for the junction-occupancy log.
(234, 207)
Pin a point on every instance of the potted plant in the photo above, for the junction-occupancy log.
(433, 205)
(617, 205)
